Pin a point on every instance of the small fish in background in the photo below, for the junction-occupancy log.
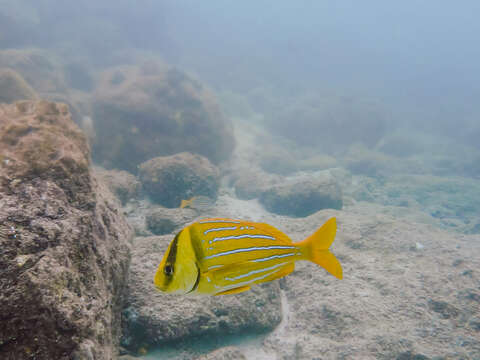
(226, 256)
(199, 202)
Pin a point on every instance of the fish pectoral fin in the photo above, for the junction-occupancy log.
(234, 291)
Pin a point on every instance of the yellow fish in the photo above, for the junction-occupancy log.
(226, 256)
(199, 202)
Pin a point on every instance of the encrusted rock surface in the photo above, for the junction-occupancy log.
(250, 183)
(153, 317)
(64, 244)
(161, 221)
(170, 179)
(13, 87)
(151, 110)
(409, 291)
(123, 184)
(303, 196)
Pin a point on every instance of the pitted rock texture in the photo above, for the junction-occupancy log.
(170, 179)
(304, 196)
(64, 245)
(151, 110)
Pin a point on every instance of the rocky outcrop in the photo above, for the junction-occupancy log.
(155, 318)
(123, 184)
(13, 87)
(38, 67)
(250, 183)
(64, 245)
(162, 221)
(143, 112)
(303, 196)
(409, 292)
(170, 179)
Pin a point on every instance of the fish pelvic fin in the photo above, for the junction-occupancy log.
(316, 248)
(234, 291)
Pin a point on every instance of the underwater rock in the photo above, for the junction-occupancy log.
(13, 87)
(282, 164)
(226, 353)
(65, 251)
(170, 179)
(144, 112)
(161, 221)
(152, 317)
(304, 196)
(121, 183)
(40, 69)
(250, 183)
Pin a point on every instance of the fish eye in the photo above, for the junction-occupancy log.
(168, 270)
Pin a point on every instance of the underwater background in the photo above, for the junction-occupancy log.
(282, 112)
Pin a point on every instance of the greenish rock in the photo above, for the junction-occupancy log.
(168, 180)
(13, 87)
(151, 110)
(123, 184)
(303, 197)
(162, 221)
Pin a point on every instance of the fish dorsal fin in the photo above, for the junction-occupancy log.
(270, 230)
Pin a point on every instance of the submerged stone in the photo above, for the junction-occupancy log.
(168, 180)
(303, 197)
(65, 256)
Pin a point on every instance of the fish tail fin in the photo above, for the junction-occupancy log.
(316, 248)
(184, 203)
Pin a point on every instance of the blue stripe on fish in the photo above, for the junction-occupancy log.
(219, 221)
(274, 257)
(255, 272)
(248, 236)
(220, 229)
(255, 248)
(240, 284)
(214, 267)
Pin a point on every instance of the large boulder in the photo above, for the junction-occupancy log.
(143, 112)
(155, 318)
(13, 87)
(161, 221)
(38, 67)
(65, 250)
(170, 179)
(303, 196)
(250, 183)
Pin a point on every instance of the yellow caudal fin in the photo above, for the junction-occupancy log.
(315, 248)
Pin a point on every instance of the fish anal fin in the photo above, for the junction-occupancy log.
(234, 291)
(284, 271)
